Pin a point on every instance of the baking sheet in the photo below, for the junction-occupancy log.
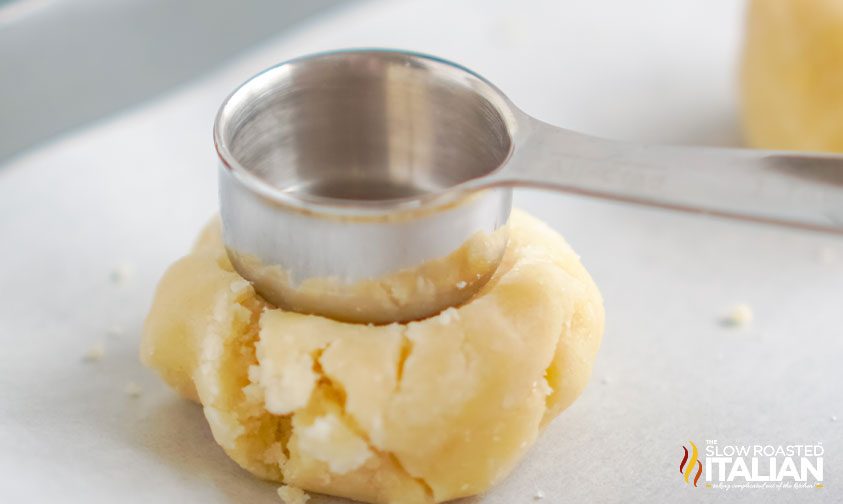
(89, 223)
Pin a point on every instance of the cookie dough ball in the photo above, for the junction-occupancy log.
(792, 75)
(420, 412)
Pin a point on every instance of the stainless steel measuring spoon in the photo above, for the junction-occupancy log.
(375, 186)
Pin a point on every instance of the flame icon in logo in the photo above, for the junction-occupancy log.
(687, 466)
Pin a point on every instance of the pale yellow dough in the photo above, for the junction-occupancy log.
(792, 76)
(292, 495)
(420, 412)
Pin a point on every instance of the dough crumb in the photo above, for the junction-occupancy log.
(133, 390)
(274, 454)
(239, 285)
(740, 316)
(449, 315)
(543, 386)
(292, 495)
(95, 353)
(329, 440)
(122, 273)
(539, 495)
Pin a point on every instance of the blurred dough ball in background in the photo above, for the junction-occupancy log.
(792, 75)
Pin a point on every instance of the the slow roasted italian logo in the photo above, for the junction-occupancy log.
(690, 464)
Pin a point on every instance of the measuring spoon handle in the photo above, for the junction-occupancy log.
(791, 189)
